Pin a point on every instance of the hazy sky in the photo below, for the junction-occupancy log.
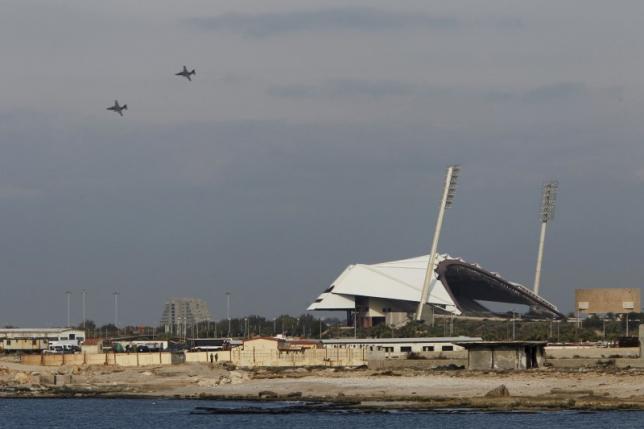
(314, 135)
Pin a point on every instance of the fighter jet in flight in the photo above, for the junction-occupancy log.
(118, 109)
(185, 73)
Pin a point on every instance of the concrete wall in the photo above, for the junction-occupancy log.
(311, 357)
(575, 352)
(607, 300)
(480, 360)
(509, 358)
(262, 344)
(377, 355)
(119, 359)
(501, 358)
(422, 364)
(242, 358)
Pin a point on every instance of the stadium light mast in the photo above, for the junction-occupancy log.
(548, 200)
(446, 202)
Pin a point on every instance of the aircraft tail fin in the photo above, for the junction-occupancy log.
(193, 72)
(125, 107)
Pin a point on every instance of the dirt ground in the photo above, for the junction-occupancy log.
(202, 380)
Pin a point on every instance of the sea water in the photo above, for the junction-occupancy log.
(175, 413)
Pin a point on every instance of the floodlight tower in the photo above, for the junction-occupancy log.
(446, 202)
(548, 200)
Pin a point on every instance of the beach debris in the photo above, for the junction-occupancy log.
(267, 394)
(498, 392)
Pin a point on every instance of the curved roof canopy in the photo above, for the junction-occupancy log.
(456, 286)
(469, 284)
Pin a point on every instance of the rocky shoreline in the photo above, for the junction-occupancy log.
(329, 390)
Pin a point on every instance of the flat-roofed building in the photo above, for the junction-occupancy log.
(401, 345)
(181, 313)
(607, 300)
(36, 339)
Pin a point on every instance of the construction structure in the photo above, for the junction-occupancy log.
(181, 313)
(504, 355)
(607, 300)
(389, 292)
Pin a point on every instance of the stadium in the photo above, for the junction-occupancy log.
(389, 293)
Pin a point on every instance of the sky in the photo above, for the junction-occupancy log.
(314, 135)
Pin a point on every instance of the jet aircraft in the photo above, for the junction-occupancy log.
(118, 109)
(185, 73)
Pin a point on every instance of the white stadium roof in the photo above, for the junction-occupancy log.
(398, 280)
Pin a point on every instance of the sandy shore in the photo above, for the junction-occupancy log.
(605, 389)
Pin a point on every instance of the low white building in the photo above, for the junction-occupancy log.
(37, 339)
(400, 345)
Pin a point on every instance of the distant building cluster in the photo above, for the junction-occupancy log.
(180, 313)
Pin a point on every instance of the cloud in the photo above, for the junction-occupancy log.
(347, 88)
(335, 19)
(547, 93)
(342, 88)
(557, 91)
(13, 191)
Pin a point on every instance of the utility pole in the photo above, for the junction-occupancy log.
(69, 303)
(513, 327)
(116, 310)
(604, 328)
(228, 311)
(84, 293)
(355, 324)
(548, 200)
(446, 202)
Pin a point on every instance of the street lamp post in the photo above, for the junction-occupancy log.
(548, 200)
(84, 304)
(513, 327)
(69, 301)
(228, 311)
(355, 324)
(116, 310)
(446, 202)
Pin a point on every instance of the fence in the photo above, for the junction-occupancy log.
(310, 357)
(242, 358)
(118, 359)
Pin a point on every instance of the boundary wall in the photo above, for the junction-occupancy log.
(275, 358)
(118, 359)
(241, 358)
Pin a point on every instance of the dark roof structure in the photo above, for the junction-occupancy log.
(469, 284)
